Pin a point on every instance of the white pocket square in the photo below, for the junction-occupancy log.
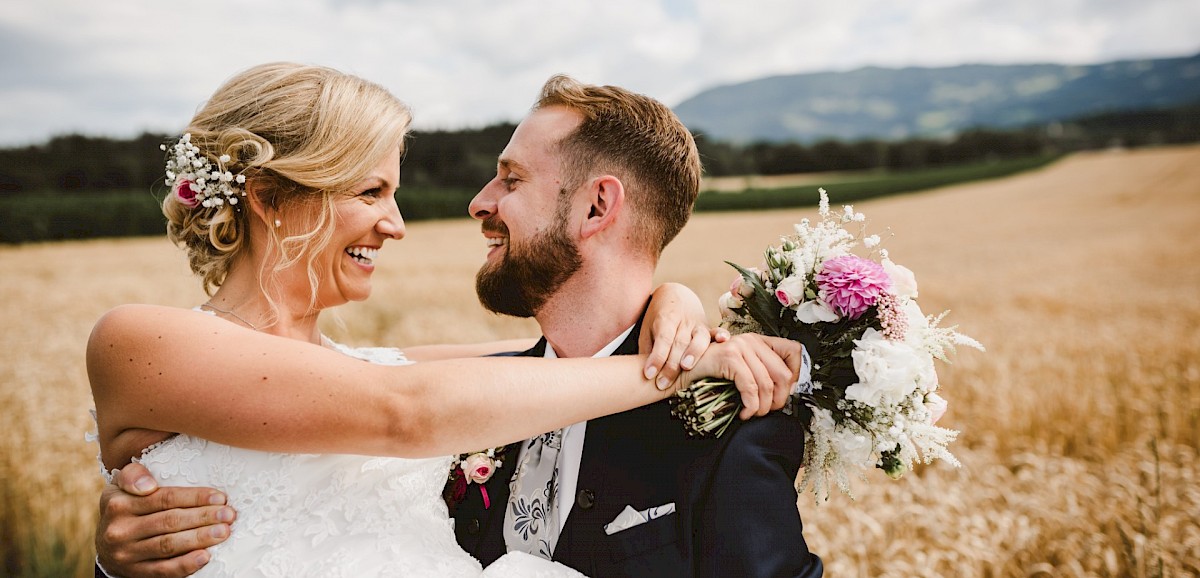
(629, 517)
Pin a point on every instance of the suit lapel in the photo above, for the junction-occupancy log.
(593, 444)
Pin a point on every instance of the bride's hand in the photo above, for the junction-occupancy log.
(675, 333)
(764, 369)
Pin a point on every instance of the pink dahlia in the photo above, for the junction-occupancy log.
(851, 284)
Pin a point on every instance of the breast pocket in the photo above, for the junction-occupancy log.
(655, 539)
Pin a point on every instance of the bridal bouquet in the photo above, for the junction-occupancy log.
(872, 401)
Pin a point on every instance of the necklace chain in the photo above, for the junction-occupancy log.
(230, 313)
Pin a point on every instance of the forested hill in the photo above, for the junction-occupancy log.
(894, 104)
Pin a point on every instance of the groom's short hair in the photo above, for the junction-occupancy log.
(638, 140)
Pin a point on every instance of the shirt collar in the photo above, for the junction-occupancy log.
(605, 351)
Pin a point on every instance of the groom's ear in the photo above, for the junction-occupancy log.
(606, 195)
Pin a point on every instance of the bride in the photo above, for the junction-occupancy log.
(282, 197)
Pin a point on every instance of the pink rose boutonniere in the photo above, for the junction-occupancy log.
(476, 468)
(479, 468)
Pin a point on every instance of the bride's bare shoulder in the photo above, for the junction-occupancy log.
(132, 323)
(135, 309)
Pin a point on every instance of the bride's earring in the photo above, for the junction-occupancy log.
(278, 223)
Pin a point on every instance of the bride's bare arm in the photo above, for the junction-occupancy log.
(675, 334)
(158, 369)
(462, 350)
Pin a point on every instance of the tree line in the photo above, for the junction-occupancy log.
(466, 159)
(78, 186)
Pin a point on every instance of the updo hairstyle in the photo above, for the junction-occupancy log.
(300, 135)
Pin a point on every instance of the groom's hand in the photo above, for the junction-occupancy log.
(145, 530)
(764, 369)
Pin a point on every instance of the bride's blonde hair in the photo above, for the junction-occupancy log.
(300, 135)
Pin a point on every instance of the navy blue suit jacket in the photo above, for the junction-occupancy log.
(735, 498)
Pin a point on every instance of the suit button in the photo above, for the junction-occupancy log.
(473, 526)
(586, 499)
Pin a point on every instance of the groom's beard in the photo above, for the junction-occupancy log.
(529, 273)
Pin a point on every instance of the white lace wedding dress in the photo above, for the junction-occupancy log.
(331, 515)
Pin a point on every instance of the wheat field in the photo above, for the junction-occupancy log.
(1080, 425)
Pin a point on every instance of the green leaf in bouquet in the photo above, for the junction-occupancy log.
(761, 305)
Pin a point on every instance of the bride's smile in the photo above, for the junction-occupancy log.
(366, 217)
(364, 256)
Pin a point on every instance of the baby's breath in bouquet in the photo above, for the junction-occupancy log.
(872, 401)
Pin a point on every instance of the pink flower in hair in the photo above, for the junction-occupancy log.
(186, 193)
(851, 284)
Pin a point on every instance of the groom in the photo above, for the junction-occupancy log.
(592, 186)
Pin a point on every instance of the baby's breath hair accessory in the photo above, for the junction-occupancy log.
(195, 181)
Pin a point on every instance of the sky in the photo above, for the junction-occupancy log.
(119, 68)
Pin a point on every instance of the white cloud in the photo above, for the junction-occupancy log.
(122, 67)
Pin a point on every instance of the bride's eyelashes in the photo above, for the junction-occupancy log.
(373, 194)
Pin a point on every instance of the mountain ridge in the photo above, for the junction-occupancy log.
(899, 103)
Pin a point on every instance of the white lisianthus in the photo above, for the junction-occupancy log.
(814, 311)
(904, 283)
(936, 405)
(888, 371)
(918, 324)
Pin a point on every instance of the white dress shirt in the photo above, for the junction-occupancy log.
(572, 445)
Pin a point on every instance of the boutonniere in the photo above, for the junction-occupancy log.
(472, 468)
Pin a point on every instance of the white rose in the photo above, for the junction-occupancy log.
(904, 283)
(740, 288)
(727, 303)
(790, 291)
(888, 371)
